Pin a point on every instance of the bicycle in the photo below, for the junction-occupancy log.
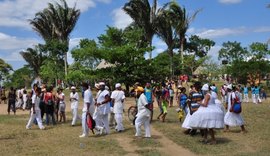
(132, 112)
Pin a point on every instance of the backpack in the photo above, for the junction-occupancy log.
(50, 101)
(90, 122)
(237, 105)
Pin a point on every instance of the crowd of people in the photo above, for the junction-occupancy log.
(201, 106)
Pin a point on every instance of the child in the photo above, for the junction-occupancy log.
(183, 100)
(62, 105)
(35, 111)
(24, 99)
(164, 104)
(171, 91)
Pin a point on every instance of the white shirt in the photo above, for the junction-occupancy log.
(88, 98)
(118, 96)
(105, 107)
(36, 101)
(74, 102)
(24, 97)
(62, 101)
(142, 110)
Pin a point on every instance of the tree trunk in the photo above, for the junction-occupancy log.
(182, 54)
(171, 63)
(65, 64)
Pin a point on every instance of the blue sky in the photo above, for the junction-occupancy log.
(245, 21)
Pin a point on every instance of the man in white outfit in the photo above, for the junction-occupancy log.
(74, 99)
(117, 98)
(88, 107)
(143, 115)
(101, 115)
(35, 111)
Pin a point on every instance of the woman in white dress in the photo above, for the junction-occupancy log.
(233, 119)
(209, 116)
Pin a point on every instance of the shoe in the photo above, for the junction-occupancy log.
(82, 136)
(43, 128)
(27, 128)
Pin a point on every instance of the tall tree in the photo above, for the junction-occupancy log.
(232, 51)
(34, 57)
(181, 22)
(165, 31)
(56, 23)
(144, 16)
(5, 68)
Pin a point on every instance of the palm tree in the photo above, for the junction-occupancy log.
(165, 31)
(56, 23)
(5, 68)
(181, 22)
(144, 16)
(34, 58)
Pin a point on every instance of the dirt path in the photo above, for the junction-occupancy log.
(125, 143)
(169, 147)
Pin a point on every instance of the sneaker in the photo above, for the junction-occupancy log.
(43, 128)
(82, 136)
(27, 128)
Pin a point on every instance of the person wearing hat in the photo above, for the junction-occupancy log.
(88, 108)
(74, 99)
(143, 115)
(231, 118)
(209, 115)
(101, 115)
(117, 98)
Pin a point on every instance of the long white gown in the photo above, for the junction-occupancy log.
(211, 116)
(232, 119)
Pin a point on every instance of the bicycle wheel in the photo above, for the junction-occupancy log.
(132, 111)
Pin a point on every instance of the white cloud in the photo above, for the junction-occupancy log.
(16, 13)
(8, 42)
(213, 52)
(262, 29)
(105, 1)
(120, 19)
(13, 56)
(73, 42)
(230, 1)
(216, 33)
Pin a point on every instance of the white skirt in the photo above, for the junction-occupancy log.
(233, 119)
(186, 121)
(211, 116)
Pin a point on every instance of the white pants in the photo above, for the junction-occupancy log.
(143, 120)
(24, 104)
(246, 99)
(102, 120)
(75, 116)
(112, 119)
(36, 116)
(253, 98)
(257, 98)
(119, 121)
(19, 103)
(84, 125)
